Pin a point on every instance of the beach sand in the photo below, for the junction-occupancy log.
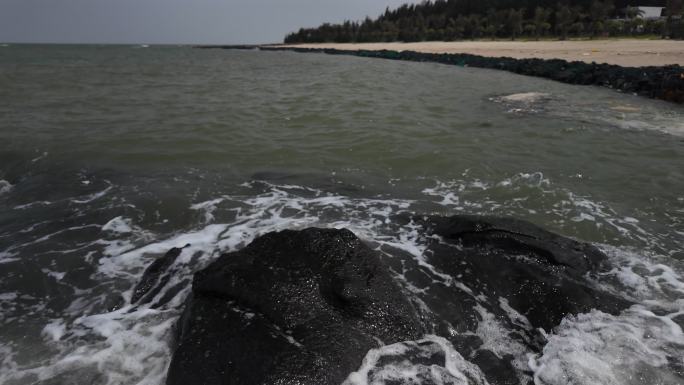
(624, 52)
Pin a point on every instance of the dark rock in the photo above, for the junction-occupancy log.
(500, 371)
(305, 307)
(298, 307)
(516, 237)
(155, 277)
(541, 275)
(666, 82)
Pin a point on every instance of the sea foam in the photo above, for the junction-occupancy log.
(405, 362)
(131, 343)
(5, 186)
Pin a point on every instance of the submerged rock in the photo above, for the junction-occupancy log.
(155, 277)
(306, 307)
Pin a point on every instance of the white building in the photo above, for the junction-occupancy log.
(650, 13)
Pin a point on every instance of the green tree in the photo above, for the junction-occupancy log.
(450, 30)
(634, 19)
(614, 27)
(655, 27)
(474, 26)
(565, 17)
(460, 25)
(598, 13)
(491, 27)
(577, 28)
(457, 19)
(541, 21)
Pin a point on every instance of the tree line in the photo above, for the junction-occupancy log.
(448, 20)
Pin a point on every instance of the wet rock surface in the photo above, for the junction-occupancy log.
(306, 307)
(292, 307)
(156, 275)
(519, 268)
(665, 82)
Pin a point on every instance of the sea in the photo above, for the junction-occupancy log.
(111, 155)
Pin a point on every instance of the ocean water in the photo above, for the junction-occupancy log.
(111, 155)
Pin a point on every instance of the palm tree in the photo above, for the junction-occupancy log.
(632, 14)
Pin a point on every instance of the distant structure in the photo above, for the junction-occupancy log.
(651, 13)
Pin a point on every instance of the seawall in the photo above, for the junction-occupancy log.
(666, 82)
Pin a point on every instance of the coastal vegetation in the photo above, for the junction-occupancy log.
(449, 20)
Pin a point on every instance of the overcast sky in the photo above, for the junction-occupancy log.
(172, 21)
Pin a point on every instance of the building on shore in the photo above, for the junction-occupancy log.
(651, 13)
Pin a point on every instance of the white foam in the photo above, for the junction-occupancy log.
(641, 345)
(31, 204)
(208, 207)
(119, 225)
(54, 330)
(513, 315)
(456, 193)
(5, 186)
(643, 278)
(10, 296)
(43, 155)
(7, 257)
(93, 196)
(120, 259)
(528, 97)
(131, 344)
(456, 370)
(11, 250)
(598, 348)
(54, 274)
(531, 195)
(523, 102)
(497, 339)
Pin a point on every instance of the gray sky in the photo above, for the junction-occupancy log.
(172, 21)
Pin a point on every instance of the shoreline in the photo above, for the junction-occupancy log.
(622, 52)
(657, 82)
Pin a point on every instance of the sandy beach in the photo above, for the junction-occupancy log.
(624, 52)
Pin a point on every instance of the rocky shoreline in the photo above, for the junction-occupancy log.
(666, 82)
(313, 306)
